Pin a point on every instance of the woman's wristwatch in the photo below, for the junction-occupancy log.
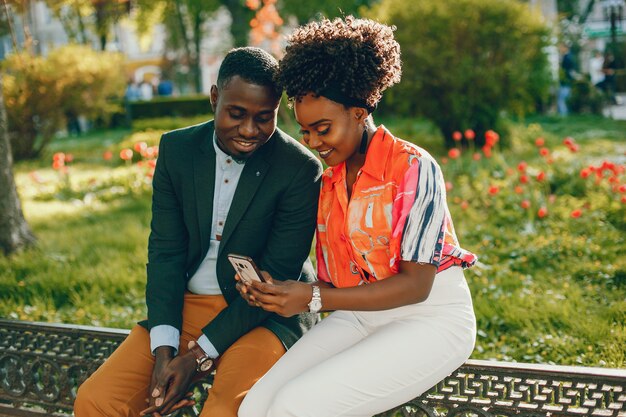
(203, 361)
(316, 300)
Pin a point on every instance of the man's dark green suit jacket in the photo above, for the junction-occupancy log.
(272, 219)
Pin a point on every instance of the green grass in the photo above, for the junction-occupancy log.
(547, 290)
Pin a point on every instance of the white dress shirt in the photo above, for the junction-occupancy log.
(204, 281)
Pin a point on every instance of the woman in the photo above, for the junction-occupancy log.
(389, 264)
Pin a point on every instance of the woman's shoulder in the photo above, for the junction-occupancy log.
(407, 155)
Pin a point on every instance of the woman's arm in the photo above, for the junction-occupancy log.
(286, 298)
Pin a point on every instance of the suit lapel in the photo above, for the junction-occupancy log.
(251, 178)
(204, 184)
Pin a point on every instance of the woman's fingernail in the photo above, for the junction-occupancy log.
(158, 402)
(155, 393)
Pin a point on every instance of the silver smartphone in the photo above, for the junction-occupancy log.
(245, 267)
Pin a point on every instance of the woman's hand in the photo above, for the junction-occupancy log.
(285, 298)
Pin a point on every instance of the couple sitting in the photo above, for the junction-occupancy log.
(389, 265)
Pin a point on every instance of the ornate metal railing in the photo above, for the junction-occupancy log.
(42, 365)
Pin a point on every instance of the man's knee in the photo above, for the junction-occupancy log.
(87, 398)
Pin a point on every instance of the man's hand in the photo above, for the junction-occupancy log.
(170, 380)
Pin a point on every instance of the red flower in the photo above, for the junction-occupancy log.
(542, 212)
(491, 137)
(493, 190)
(457, 136)
(469, 134)
(541, 176)
(585, 172)
(69, 158)
(59, 156)
(521, 167)
(444, 160)
(544, 151)
(454, 153)
(518, 189)
(568, 141)
(525, 204)
(609, 166)
(464, 205)
(539, 142)
(476, 156)
(140, 146)
(107, 155)
(449, 186)
(574, 148)
(58, 164)
(126, 154)
(622, 188)
(487, 151)
(576, 213)
(624, 199)
(523, 179)
(152, 163)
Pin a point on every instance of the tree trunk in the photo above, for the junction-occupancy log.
(14, 231)
(240, 26)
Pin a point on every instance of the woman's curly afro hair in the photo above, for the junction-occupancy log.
(359, 57)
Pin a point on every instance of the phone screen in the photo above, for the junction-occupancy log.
(245, 267)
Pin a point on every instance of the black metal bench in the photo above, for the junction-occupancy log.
(42, 365)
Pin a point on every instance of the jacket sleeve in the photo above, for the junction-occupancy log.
(287, 249)
(167, 249)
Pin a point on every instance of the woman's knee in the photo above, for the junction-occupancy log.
(291, 401)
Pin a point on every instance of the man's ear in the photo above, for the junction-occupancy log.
(214, 97)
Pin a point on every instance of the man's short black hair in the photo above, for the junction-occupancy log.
(254, 65)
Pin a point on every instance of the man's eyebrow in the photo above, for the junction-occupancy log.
(245, 110)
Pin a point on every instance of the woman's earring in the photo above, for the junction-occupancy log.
(363, 147)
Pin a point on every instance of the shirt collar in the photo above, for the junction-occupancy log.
(376, 158)
(223, 160)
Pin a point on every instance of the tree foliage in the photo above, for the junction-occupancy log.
(467, 61)
(186, 25)
(307, 10)
(41, 92)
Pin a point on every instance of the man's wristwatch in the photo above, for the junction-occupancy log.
(203, 361)
(316, 301)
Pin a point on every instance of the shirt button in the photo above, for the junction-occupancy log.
(228, 161)
(226, 181)
(220, 223)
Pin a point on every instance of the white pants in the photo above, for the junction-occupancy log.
(357, 363)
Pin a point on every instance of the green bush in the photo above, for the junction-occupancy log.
(170, 107)
(466, 61)
(42, 92)
(169, 123)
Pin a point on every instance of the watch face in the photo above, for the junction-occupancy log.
(205, 365)
(315, 306)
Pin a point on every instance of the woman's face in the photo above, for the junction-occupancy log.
(330, 128)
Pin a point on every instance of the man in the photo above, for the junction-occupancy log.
(233, 185)
(567, 75)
